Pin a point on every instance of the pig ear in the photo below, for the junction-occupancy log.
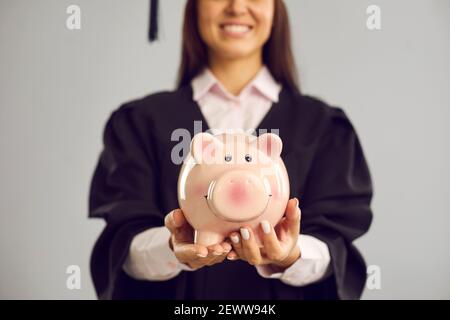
(270, 144)
(204, 147)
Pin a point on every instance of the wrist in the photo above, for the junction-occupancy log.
(293, 256)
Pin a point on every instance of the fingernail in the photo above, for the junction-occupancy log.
(235, 238)
(231, 258)
(297, 203)
(201, 255)
(265, 226)
(217, 253)
(245, 234)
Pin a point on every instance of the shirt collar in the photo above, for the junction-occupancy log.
(266, 84)
(202, 83)
(263, 82)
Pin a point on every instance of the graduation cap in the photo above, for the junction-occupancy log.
(153, 25)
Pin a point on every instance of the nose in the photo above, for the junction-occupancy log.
(237, 192)
(238, 196)
(236, 7)
(240, 188)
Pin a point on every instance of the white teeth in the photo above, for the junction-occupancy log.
(234, 28)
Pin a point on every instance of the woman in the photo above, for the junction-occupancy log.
(237, 72)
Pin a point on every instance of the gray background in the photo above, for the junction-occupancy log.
(58, 87)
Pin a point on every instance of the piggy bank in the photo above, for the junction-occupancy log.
(232, 180)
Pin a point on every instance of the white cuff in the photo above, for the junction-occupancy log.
(311, 267)
(150, 257)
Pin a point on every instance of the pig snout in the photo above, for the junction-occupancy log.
(238, 196)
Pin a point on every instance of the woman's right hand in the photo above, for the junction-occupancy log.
(182, 244)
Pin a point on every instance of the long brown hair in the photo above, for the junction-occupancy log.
(277, 51)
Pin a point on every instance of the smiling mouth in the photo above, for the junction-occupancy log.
(236, 29)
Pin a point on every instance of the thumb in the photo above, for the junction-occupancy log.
(174, 220)
(179, 227)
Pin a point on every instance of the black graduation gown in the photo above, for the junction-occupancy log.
(135, 185)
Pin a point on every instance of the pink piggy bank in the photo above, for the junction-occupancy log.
(232, 180)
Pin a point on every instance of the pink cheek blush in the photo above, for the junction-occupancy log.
(200, 191)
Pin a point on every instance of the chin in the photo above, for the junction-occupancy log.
(234, 52)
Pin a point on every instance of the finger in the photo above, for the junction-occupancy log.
(173, 220)
(236, 243)
(177, 224)
(232, 255)
(204, 260)
(220, 248)
(207, 260)
(226, 247)
(293, 209)
(250, 247)
(192, 251)
(189, 253)
(215, 250)
(272, 247)
(293, 218)
(178, 217)
(216, 254)
(200, 251)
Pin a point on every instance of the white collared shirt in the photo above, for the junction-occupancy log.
(224, 111)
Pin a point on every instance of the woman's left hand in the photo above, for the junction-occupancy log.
(280, 243)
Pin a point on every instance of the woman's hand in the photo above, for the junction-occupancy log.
(182, 243)
(280, 243)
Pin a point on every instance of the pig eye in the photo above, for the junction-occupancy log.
(228, 158)
(248, 158)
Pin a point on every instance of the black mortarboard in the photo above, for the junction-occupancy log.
(153, 27)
